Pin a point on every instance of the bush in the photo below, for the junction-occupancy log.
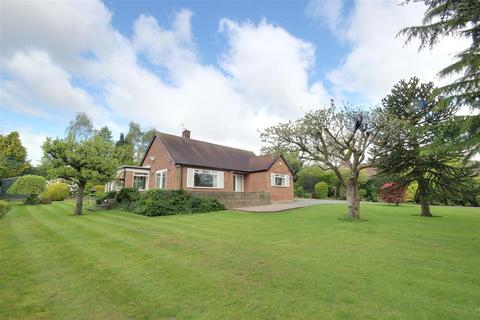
(321, 190)
(30, 186)
(45, 200)
(392, 193)
(57, 191)
(299, 192)
(157, 202)
(101, 197)
(127, 195)
(99, 188)
(363, 194)
(411, 192)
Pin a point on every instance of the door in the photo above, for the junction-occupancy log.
(238, 183)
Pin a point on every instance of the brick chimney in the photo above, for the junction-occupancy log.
(186, 133)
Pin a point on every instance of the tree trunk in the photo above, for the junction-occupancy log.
(353, 198)
(423, 197)
(79, 205)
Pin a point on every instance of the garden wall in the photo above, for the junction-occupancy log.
(235, 199)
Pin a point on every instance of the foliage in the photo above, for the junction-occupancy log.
(392, 192)
(157, 202)
(292, 158)
(363, 194)
(459, 18)
(420, 148)
(45, 199)
(80, 128)
(308, 176)
(28, 185)
(411, 192)
(80, 158)
(299, 192)
(332, 138)
(57, 191)
(127, 198)
(13, 156)
(100, 197)
(321, 190)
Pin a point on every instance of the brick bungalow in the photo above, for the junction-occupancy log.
(234, 176)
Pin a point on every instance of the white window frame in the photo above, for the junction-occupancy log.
(235, 177)
(191, 178)
(285, 180)
(142, 174)
(163, 176)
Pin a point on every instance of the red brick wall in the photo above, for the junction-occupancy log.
(279, 194)
(162, 161)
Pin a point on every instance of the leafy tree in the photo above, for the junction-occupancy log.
(30, 186)
(415, 151)
(106, 134)
(80, 161)
(12, 156)
(134, 137)
(392, 193)
(80, 128)
(321, 190)
(121, 140)
(333, 139)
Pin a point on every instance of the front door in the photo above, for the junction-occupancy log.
(238, 183)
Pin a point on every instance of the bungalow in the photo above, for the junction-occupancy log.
(173, 162)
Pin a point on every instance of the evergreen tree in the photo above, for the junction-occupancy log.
(460, 18)
(421, 149)
(13, 156)
(106, 134)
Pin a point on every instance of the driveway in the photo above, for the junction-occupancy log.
(297, 203)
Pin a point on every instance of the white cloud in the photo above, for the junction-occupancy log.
(378, 59)
(328, 12)
(262, 78)
(33, 143)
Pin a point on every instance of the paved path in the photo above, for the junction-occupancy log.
(297, 203)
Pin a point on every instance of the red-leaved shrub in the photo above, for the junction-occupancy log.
(392, 193)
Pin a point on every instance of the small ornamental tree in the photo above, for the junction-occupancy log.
(392, 193)
(30, 186)
(321, 190)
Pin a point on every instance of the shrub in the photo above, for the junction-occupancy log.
(321, 190)
(57, 191)
(299, 192)
(45, 200)
(99, 188)
(127, 195)
(206, 205)
(392, 193)
(363, 194)
(101, 197)
(411, 192)
(30, 186)
(157, 202)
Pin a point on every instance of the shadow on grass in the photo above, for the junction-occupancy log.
(419, 215)
(348, 219)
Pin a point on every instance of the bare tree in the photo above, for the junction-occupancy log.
(334, 139)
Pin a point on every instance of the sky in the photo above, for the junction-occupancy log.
(223, 69)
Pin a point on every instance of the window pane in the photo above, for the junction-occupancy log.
(139, 182)
(164, 179)
(202, 179)
(279, 180)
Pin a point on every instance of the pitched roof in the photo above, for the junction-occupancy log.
(193, 152)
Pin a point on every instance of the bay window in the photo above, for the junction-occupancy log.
(201, 178)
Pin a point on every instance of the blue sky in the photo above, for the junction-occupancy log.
(224, 69)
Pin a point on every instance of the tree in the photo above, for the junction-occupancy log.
(106, 134)
(392, 193)
(291, 157)
(460, 18)
(30, 186)
(321, 190)
(12, 156)
(333, 139)
(80, 128)
(134, 137)
(420, 149)
(91, 159)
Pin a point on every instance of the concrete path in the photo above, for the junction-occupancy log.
(297, 203)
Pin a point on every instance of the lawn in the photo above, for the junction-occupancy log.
(300, 264)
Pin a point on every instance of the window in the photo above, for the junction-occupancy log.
(238, 183)
(280, 180)
(201, 178)
(161, 181)
(140, 181)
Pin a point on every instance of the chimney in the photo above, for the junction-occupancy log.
(186, 133)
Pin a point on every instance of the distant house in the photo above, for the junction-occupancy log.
(173, 162)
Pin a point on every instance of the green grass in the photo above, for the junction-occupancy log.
(301, 264)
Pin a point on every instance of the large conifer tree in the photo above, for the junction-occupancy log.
(422, 147)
